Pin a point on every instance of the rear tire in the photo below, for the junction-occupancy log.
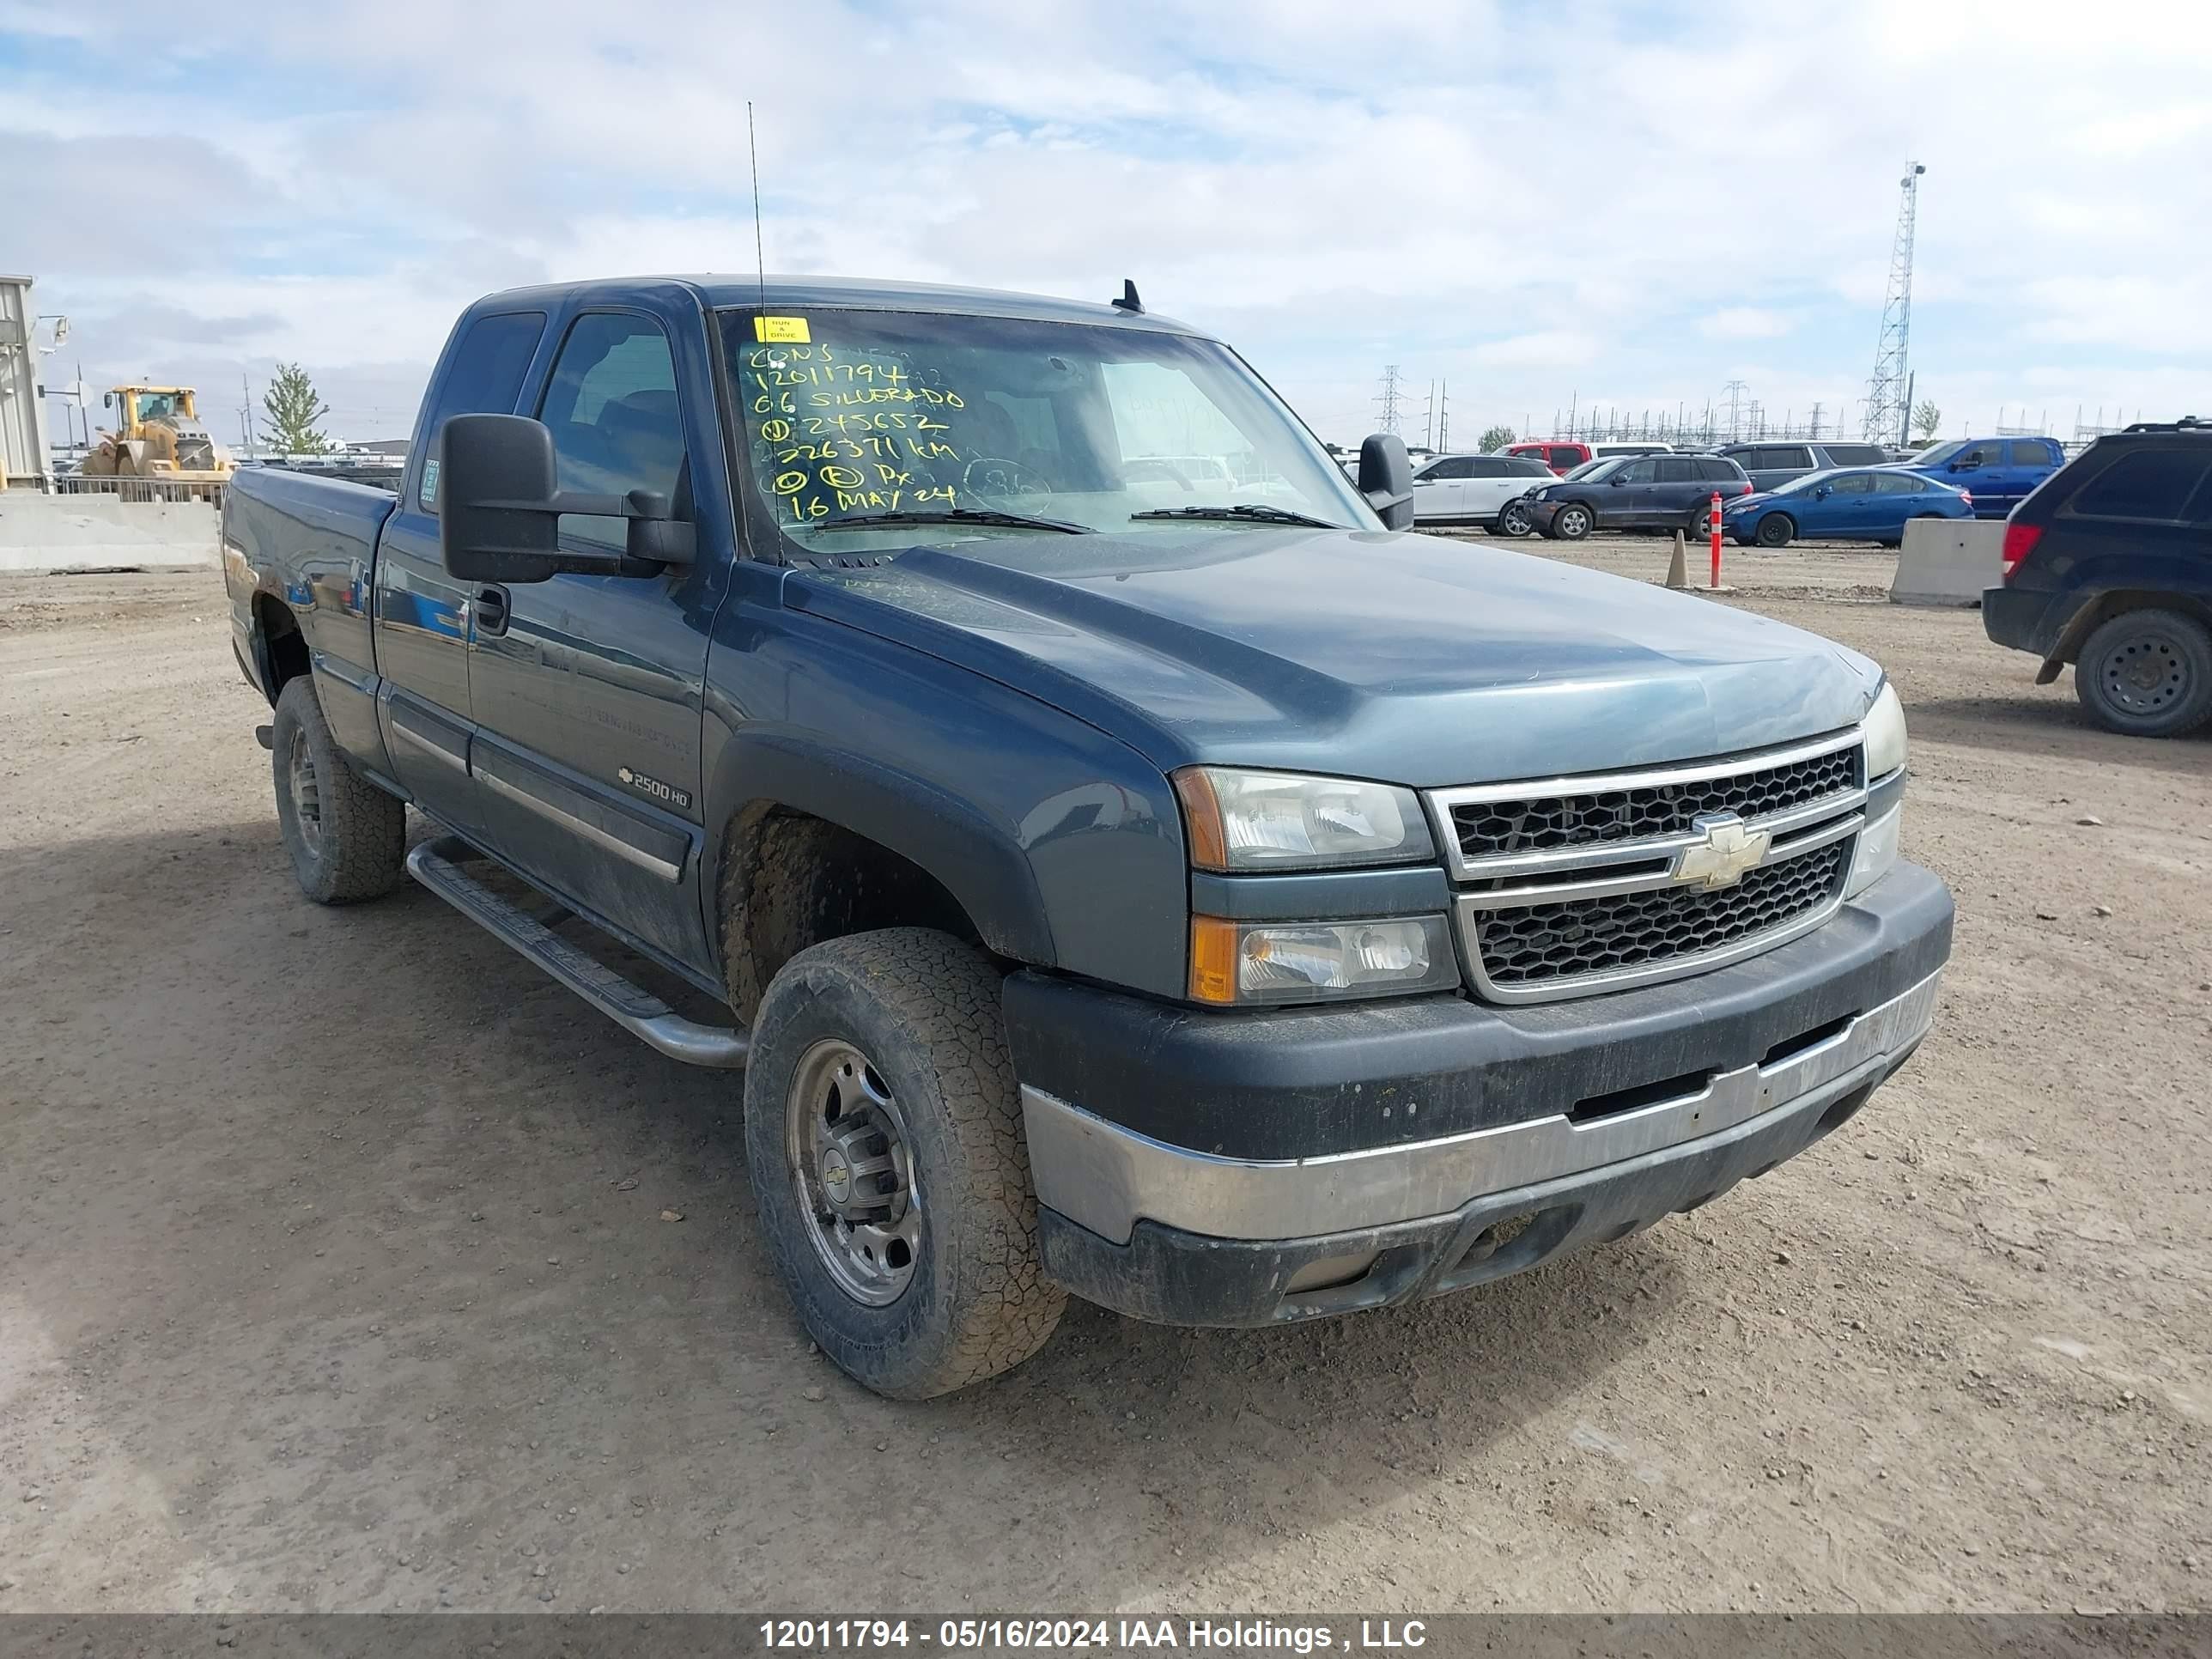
(1512, 519)
(2147, 674)
(884, 1143)
(1572, 522)
(347, 839)
(1776, 529)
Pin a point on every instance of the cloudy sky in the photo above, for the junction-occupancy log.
(1621, 203)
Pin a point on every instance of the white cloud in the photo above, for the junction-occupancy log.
(1745, 323)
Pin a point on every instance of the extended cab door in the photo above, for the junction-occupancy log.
(422, 614)
(587, 689)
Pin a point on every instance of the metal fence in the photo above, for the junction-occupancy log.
(139, 490)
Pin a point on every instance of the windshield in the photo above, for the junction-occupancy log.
(1009, 427)
(1941, 453)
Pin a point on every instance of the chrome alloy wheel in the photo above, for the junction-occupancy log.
(307, 793)
(847, 1147)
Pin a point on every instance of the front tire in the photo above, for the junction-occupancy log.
(2147, 674)
(1775, 530)
(347, 839)
(1572, 522)
(883, 1140)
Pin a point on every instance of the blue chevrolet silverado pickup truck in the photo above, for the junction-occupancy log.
(1131, 863)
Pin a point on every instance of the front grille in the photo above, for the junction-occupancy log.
(1541, 823)
(1533, 947)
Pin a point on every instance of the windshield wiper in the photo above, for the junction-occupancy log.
(1250, 510)
(951, 515)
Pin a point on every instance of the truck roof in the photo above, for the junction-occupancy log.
(858, 293)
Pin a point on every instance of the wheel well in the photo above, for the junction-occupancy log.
(2106, 606)
(283, 646)
(790, 880)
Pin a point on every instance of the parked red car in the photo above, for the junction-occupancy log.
(1562, 458)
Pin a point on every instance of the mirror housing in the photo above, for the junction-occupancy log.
(1386, 479)
(500, 505)
(1617, 480)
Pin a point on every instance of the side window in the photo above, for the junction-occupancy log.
(1898, 484)
(2033, 452)
(1638, 472)
(2146, 484)
(1486, 466)
(1792, 455)
(616, 424)
(483, 378)
(1855, 455)
(1853, 484)
(1457, 467)
(1672, 470)
(1559, 456)
(1721, 470)
(1979, 455)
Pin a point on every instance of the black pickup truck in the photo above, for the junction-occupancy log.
(1131, 864)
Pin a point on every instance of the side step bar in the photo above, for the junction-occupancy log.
(438, 865)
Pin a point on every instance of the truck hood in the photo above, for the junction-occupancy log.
(1401, 657)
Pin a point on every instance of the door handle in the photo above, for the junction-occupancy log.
(490, 605)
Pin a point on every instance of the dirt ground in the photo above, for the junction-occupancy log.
(334, 1272)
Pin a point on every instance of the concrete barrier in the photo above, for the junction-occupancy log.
(1948, 561)
(40, 532)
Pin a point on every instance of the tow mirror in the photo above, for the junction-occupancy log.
(500, 503)
(1386, 479)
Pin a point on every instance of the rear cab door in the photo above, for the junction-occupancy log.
(421, 613)
(1681, 488)
(588, 689)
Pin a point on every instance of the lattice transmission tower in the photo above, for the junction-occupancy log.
(1890, 388)
(1387, 421)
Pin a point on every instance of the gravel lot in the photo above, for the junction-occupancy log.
(334, 1274)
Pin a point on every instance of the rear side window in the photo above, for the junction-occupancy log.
(1898, 484)
(2033, 451)
(2146, 483)
(615, 421)
(1488, 466)
(485, 377)
(1788, 456)
(1855, 455)
(1561, 456)
(1678, 472)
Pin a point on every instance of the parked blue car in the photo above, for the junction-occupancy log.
(1861, 504)
(2000, 472)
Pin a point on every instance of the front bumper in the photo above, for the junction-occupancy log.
(1540, 513)
(1239, 1170)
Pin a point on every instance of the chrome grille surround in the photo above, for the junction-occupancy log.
(1815, 795)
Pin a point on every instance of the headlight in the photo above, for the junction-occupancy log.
(1885, 735)
(1239, 821)
(1876, 853)
(1249, 961)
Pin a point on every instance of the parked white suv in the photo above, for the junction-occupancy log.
(1475, 489)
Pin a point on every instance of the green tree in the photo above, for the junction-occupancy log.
(1927, 418)
(1496, 438)
(293, 409)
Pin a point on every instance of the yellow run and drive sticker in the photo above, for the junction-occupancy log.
(782, 331)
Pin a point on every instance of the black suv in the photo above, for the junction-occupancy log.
(2108, 566)
(1640, 492)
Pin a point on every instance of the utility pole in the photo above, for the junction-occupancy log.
(1388, 423)
(1889, 388)
(1443, 417)
(1817, 407)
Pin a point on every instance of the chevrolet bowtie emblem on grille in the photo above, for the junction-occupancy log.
(1726, 853)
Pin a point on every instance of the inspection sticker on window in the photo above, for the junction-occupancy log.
(782, 331)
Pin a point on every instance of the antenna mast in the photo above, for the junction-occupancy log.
(1889, 387)
(760, 257)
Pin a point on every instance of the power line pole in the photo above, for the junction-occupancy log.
(1443, 417)
(1389, 421)
(1736, 389)
(1889, 387)
(1817, 407)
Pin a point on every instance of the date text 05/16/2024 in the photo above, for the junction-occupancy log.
(1108, 1635)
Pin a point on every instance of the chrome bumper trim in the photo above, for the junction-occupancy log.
(1106, 1178)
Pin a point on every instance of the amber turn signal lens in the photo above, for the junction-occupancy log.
(1213, 959)
(1201, 820)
